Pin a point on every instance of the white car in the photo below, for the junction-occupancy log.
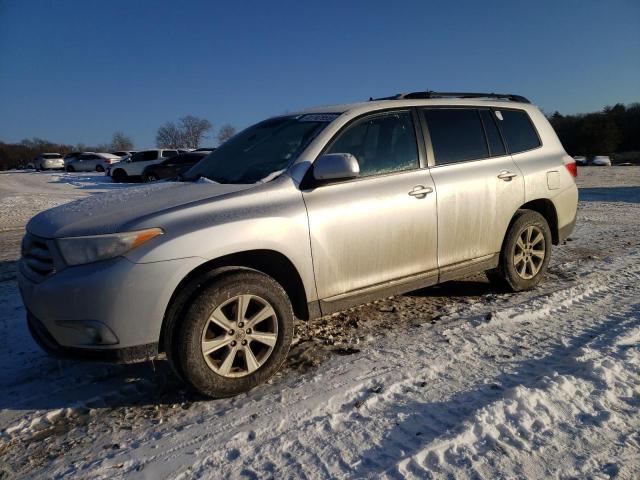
(91, 162)
(580, 160)
(131, 168)
(601, 161)
(49, 161)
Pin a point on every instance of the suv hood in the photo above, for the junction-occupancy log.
(110, 212)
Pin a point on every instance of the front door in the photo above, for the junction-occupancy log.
(382, 226)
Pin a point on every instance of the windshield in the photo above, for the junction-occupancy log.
(51, 155)
(267, 147)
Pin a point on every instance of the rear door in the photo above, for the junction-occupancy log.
(479, 186)
(376, 229)
(86, 162)
(141, 160)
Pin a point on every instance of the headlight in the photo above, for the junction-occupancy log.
(79, 250)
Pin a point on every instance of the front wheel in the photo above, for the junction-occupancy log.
(235, 335)
(525, 253)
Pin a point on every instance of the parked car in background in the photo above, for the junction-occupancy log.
(71, 156)
(306, 214)
(123, 153)
(580, 160)
(91, 162)
(204, 149)
(172, 167)
(130, 169)
(601, 161)
(49, 161)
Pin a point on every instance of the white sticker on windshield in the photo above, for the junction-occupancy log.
(319, 117)
(499, 115)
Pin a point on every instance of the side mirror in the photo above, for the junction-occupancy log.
(336, 166)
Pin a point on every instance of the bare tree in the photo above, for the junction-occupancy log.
(102, 147)
(120, 141)
(169, 135)
(225, 133)
(194, 130)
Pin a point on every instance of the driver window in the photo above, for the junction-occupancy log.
(382, 143)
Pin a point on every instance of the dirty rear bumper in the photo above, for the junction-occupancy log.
(564, 232)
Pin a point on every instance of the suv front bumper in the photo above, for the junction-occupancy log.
(110, 309)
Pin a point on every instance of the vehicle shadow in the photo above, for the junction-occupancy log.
(44, 383)
(424, 422)
(610, 194)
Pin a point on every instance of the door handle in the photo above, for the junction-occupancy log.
(420, 191)
(506, 175)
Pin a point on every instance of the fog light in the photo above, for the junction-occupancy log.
(96, 333)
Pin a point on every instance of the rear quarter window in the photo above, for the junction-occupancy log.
(518, 130)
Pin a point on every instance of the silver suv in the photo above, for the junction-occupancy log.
(299, 216)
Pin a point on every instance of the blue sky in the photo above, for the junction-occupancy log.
(78, 70)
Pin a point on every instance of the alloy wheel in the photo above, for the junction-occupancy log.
(239, 336)
(529, 252)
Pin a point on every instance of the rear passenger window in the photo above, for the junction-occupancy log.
(145, 156)
(169, 153)
(383, 143)
(456, 134)
(518, 131)
(496, 147)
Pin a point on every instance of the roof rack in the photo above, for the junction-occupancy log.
(431, 94)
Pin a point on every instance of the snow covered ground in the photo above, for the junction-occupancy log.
(454, 381)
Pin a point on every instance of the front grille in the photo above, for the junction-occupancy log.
(37, 256)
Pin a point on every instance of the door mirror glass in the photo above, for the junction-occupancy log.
(336, 166)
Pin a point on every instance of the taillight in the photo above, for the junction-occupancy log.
(573, 168)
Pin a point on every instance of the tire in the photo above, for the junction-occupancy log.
(119, 176)
(149, 177)
(228, 370)
(523, 268)
(70, 169)
(100, 169)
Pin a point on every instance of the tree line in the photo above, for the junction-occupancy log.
(613, 130)
(187, 132)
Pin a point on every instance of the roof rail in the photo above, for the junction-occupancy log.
(431, 94)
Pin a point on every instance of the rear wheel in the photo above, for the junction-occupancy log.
(119, 176)
(150, 177)
(100, 168)
(525, 252)
(235, 335)
(69, 168)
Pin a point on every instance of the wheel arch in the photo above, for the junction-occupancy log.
(547, 209)
(270, 262)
